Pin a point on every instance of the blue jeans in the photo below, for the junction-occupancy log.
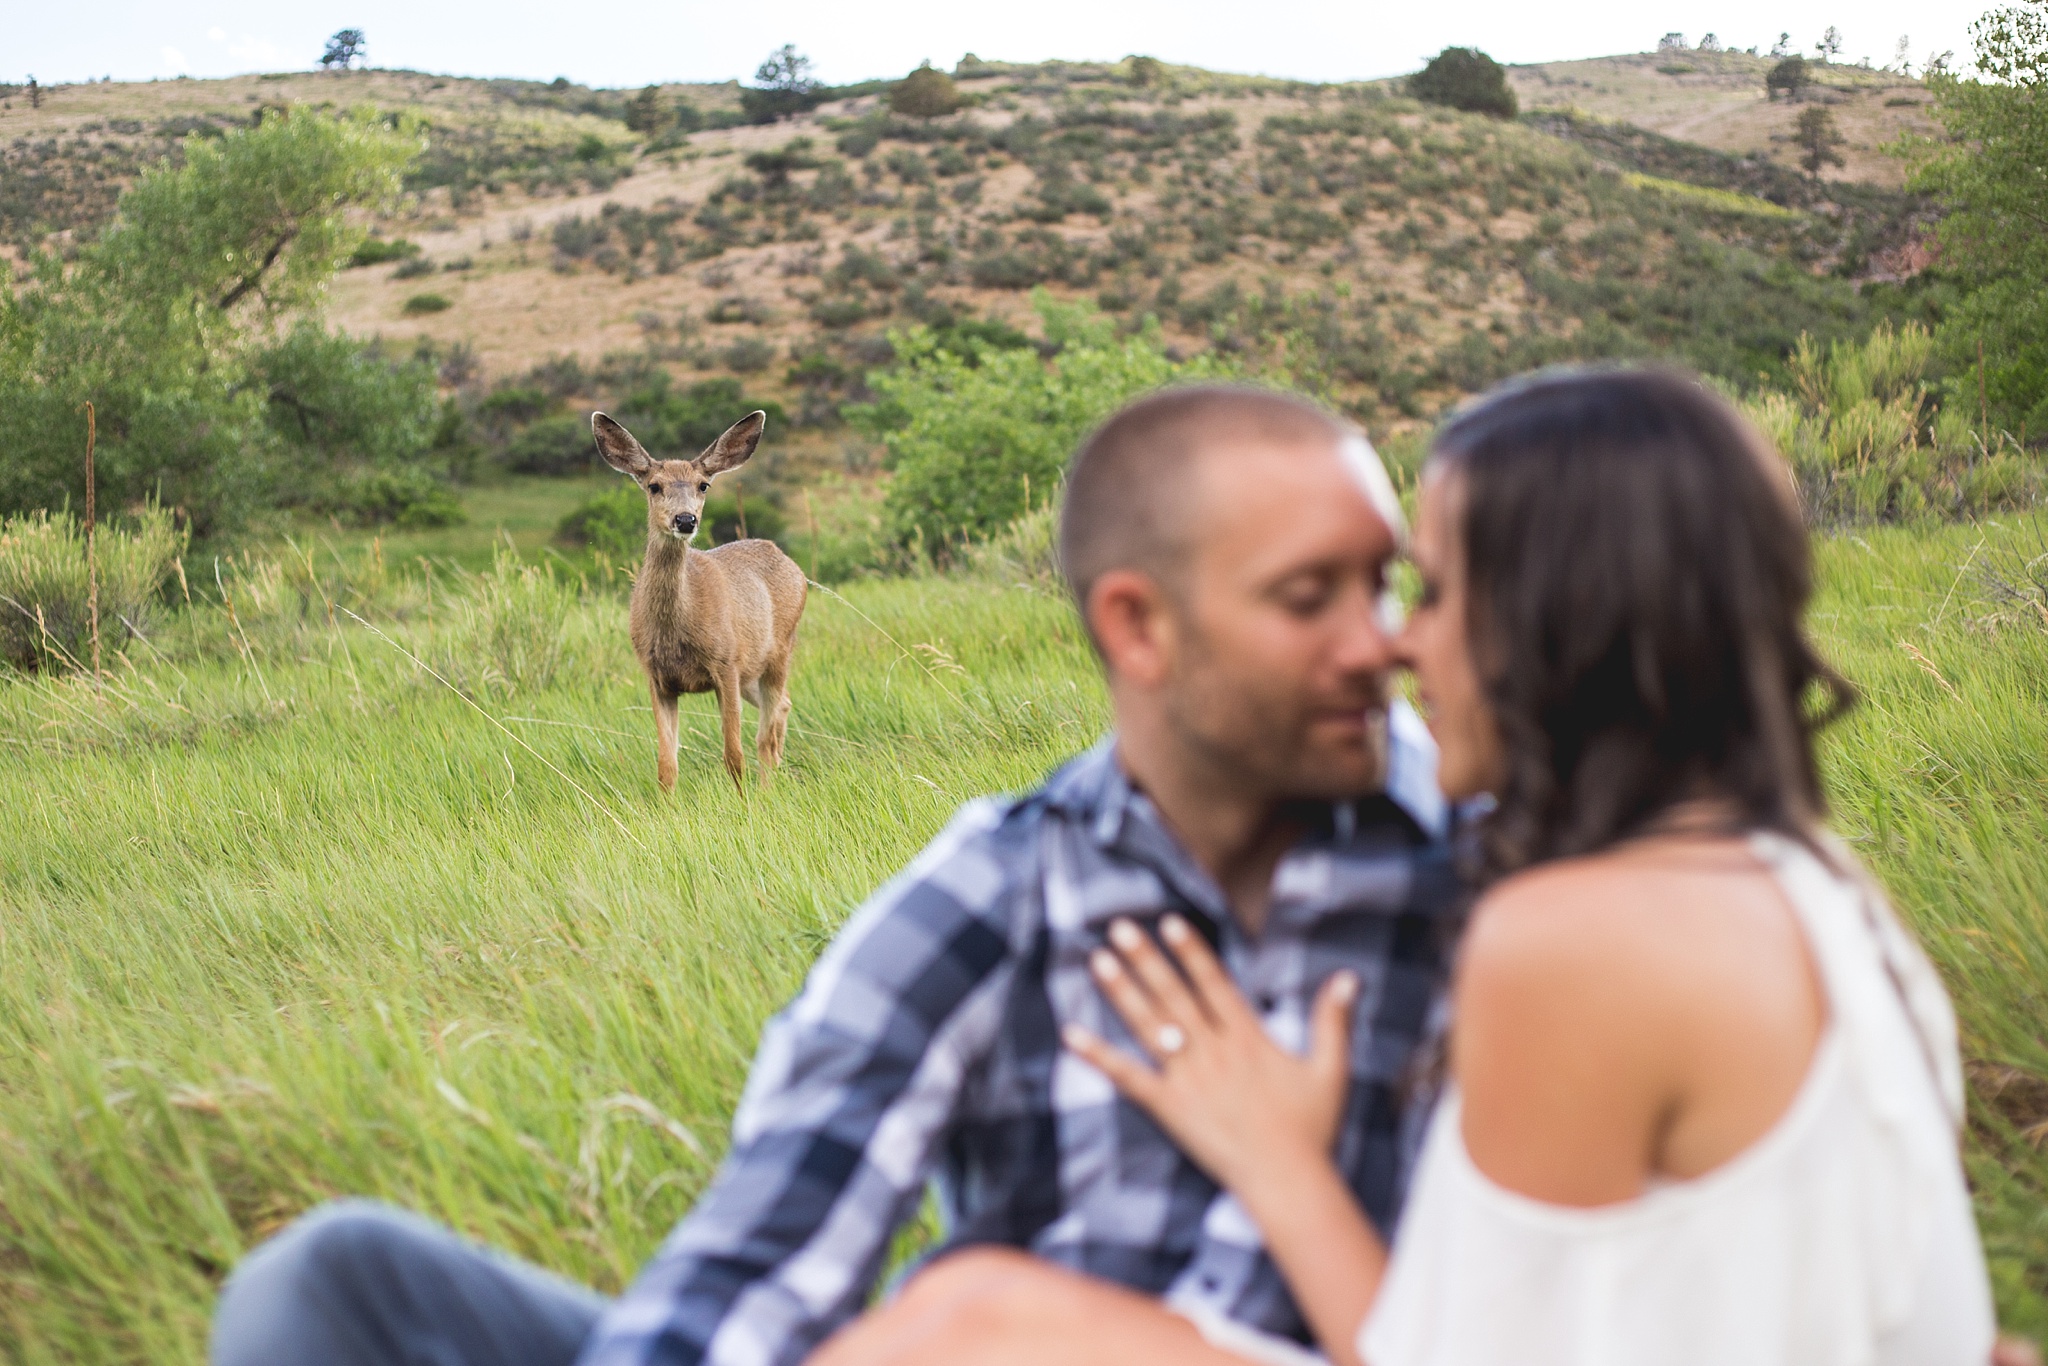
(357, 1283)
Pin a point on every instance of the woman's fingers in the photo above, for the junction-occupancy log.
(1125, 1072)
(1140, 1012)
(1218, 995)
(1169, 992)
(1329, 1030)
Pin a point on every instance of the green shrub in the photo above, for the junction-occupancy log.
(413, 267)
(45, 624)
(978, 440)
(675, 424)
(748, 355)
(614, 522)
(925, 94)
(428, 303)
(336, 400)
(1465, 78)
(375, 251)
(1864, 445)
(405, 496)
(552, 445)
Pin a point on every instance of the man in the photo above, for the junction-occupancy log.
(1228, 551)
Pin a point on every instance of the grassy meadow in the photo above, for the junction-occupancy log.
(283, 916)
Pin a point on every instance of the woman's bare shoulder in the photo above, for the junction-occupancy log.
(1597, 996)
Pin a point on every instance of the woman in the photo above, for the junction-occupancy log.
(1703, 1091)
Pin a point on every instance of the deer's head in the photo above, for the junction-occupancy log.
(676, 489)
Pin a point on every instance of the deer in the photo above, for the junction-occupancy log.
(721, 620)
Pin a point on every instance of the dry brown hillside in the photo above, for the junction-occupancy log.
(1392, 254)
(1717, 100)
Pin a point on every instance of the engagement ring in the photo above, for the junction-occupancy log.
(1171, 1039)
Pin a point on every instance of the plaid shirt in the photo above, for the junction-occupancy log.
(925, 1047)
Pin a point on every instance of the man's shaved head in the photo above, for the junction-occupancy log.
(1130, 500)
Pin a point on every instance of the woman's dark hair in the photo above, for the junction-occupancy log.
(1636, 572)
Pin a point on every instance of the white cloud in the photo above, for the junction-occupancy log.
(217, 34)
(175, 61)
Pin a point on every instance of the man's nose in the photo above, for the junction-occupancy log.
(685, 522)
(1372, 640)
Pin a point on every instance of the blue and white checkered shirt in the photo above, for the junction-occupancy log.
(925, 1047)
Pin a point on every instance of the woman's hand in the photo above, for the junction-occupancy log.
(1242, 1107)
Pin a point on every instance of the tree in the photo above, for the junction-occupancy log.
(1829, 45)
(1994, 237)
(344, 49)
(783, 87)
(1672, 42)
(644, 114)
(1902, 56)
(1789, 75)
(925, 94)
(1817, 139)
(1710, 43)
(158, 322)
(1783, 46)
(774, 166)
(1465, 78)
(1147, 72)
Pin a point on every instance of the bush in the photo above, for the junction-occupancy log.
(44, 622)
(1864, 446)
(412, 268)
(747, 355)
(552, 445)
(977, 443)
(428, 303)
(331, 397)
(406, 496)
(614, 522)
(1465, 78)
(1789, 76)
(672, 424)
(925, 94)
(375, 251)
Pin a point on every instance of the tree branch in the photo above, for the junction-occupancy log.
(254, 277)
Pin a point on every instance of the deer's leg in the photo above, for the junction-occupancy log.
(773, 725)
(664, 735)
(727, 686)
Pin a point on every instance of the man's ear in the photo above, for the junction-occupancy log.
(618, 447)
(1132, 623)
(735, 446)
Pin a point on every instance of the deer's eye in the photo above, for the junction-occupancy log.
(654, 488)
(704, 487)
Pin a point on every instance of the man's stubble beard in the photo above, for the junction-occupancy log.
(1257, 742)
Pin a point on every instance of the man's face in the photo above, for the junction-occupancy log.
(1281, 657)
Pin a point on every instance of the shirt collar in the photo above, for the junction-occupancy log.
(1093, 790)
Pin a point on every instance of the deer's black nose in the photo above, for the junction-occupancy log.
(685, 522)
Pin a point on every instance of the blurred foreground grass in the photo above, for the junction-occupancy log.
(282, 917)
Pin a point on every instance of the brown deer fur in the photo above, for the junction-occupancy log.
(721, 620)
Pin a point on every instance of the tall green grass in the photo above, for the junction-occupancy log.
(284, 917)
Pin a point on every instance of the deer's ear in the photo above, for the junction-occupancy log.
(735, 446)
(618, 447)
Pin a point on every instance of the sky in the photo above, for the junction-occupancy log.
(633, 42)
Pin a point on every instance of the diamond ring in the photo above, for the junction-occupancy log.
(1171, 1039)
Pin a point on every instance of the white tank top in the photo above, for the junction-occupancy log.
(1842, 1237)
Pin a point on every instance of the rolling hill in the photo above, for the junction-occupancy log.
(1392, 254)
